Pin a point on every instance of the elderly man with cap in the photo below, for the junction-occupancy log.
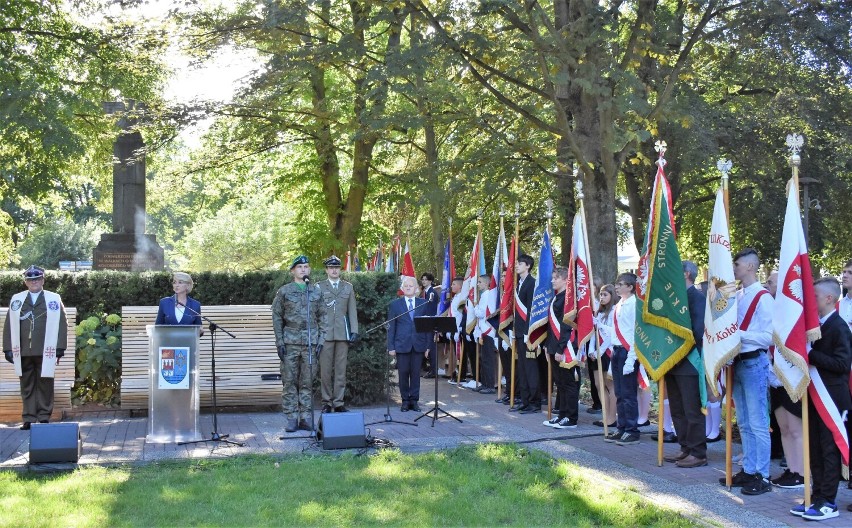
(34, 338)
(299, 337)
(341, 329)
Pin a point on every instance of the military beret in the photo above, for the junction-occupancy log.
(301, 259)
(34, 272)
(332, 262)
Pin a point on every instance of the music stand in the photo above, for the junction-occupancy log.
(436, 325)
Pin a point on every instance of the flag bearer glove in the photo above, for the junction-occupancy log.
(60, 352)
(593, 354)
(629, 365)
(8, 354)
(354, 338)
(282, 351)
(318, 350)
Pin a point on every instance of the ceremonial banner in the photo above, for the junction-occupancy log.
(447, 278)
(583, 304)
(407, 267)
(663, 333)
(348, 266)
(475, 268)
(542, 296)
(795, 320)
(501, 260)
(721, 329)
(507, 301)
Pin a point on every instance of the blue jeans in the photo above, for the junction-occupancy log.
(627, 404)
(750, 391)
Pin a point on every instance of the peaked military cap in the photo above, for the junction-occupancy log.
(301, 259)
(34, 272)
(332, 262)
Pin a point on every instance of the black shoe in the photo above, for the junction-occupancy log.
(718, 438)
(291, 426)
(341, 409)
(504, 400)
(757, 486)
(488, 391)
(428, 375)
(530, 410)
(613, 436)
(789, 480)
(600, 423)
(326, 409)
(668, 438)
(404, 407)
(646, 423)
(304, 425)
(594, 410)
(26, 426)
(44, 421)
(739, 479)
(517, 408)
(414, 407)
(628, 439)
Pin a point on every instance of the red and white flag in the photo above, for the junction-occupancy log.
(501, 260)
(475, 268)
(507, 300)
(407, 267)
(581, 270)
(721, 328)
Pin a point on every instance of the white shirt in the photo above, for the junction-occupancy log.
(845, 310)
(625, 312)
(605, 330)
(822, 320)
(759, 333)
(483, 327)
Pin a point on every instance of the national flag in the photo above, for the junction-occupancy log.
(507, 300)
(542, 296)
(501, 260)
(389, 267)
(447, 278)
(348, 261)
(407, 267)
(721, 329)
(795, 320)
(663, 334)
(475, 268)
(583, 304)
(357, 261)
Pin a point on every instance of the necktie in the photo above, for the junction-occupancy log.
(411, 308)
(334, 286)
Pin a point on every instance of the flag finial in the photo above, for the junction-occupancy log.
(579, 186)
(795, 143)
(517, 209)
(661, 147)
(502, 211)
(724, 165)
(549, 205)
(450, 221)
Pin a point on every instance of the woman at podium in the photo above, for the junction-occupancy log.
(180, 308)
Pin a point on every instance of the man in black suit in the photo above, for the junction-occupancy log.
(406, 344)
(831, 355)
(527, 366)
(430, 295)
(682, 384)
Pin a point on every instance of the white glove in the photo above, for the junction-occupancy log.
(593, 354)
(629, 366)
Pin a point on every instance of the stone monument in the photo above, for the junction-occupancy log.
(128, 248)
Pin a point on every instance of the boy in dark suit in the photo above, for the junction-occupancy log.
(831, 355)
(406, 344)
(527, 366)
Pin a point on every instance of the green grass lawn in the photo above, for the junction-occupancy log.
(485, 485)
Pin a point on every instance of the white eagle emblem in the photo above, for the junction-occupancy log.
(795, 289)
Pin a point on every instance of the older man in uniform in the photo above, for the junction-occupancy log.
(341, 329)
(295, 330)
(34, 338)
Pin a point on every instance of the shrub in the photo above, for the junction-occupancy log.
(98, 362)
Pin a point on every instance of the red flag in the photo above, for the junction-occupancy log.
(507, 301)
(407, 267)
(583, 279)
(348, 261)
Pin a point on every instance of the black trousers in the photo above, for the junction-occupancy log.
(592, 366)
(409, 375)
(685, 406)
(528, 376)
(506, 362)
(488, 363)
(568, 391)
(825, 459)
(468, 362)
(36, 392)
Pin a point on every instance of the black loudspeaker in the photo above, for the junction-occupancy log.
(55, 442)
(342, 430)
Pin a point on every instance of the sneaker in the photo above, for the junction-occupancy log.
(552, 422)
(739, 479)
(758, 486)
(565, 423)
(613, 436)
(821, 510)
(798, 510)
(628, 439)
(789, 480)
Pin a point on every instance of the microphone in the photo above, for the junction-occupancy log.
(431, 296)
(306, 279)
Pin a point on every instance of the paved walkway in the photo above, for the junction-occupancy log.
(113, 437)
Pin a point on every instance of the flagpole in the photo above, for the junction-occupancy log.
(453, 359)
(725, 166)
(549, 204)
(514, 344)
(476, 293)
(497, 304)
(661, 398)
(795, 142)
(601, 381)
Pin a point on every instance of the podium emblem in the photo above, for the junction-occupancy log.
(174, 368)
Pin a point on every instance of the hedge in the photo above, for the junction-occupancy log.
(96, 293)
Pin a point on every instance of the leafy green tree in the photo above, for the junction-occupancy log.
(60, 239)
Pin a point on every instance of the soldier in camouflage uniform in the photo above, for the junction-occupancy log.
(291, 338)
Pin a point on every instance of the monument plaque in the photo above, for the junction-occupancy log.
(128, 247)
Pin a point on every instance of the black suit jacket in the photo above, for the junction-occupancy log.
(832, 355)
(553, 345)
(401, 334)
(525, 296)
(697, 306)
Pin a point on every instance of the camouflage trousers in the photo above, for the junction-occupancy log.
(296, 378)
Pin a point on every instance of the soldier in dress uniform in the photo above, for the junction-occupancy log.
(341, 329)
(294, 330)
(34, 338)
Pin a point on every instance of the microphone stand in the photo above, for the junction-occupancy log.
(313, 433)
(214, 436)
(388, 418)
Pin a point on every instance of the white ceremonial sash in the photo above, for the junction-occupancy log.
(53, 304)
